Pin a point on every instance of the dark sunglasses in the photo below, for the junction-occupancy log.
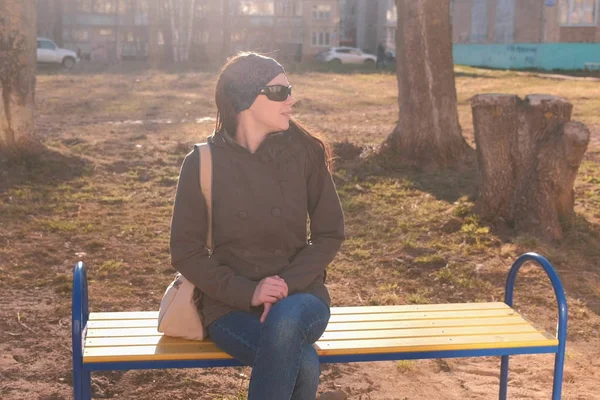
(277, 92)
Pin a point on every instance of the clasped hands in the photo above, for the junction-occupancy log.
(268, 292)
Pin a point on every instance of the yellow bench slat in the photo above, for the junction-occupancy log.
(375, 325)
(392, 316)
(418, 307)
(178, 349)
(403, 345)
(95, 316)
(428, 332)
(419, 315)
(513, 320)
(327, 336)
(201, 351)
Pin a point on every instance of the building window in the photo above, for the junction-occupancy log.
(391, 37)
(201, 37)
(505, 21)
(256, 7)
(391, 14)
(104, 6)
(321, 39)
(578, 12)
(105, 32)
(322, 12)
(80, 35)
(83, 5)
(479, 21)
(287, 8)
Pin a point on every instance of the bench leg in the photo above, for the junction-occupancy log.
(559, 363)
(81, 375)
(503, 377)
(86, 385)
(82, 384)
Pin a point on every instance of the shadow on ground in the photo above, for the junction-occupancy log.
(44, 170)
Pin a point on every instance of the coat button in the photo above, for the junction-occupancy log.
(276, 212)
(278, 252)
(242, 214)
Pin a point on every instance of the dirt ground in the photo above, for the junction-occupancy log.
(104, 191)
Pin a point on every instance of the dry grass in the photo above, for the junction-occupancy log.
(105, 190)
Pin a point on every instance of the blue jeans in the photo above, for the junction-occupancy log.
(284, 363)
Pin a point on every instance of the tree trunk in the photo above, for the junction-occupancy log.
(153, 30)
(427, 133)
(57, 28)
(17, 78)
(118, 43)
(528, 154)
(226, 49)
(173, 30)
(190, 31)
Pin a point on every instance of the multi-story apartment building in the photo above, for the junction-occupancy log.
(290, 29)
(544, 34)
(115, 29)
(368, 23)
(104, 29)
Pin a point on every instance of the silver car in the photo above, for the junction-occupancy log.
(346, 55)
(49, 53)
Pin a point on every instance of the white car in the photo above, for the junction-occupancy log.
(49, 53)
(346, 55)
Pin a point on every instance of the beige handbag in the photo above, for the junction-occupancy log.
(178, 315)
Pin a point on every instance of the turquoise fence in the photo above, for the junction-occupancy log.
(546, 56)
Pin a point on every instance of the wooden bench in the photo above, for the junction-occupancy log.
(129, 340)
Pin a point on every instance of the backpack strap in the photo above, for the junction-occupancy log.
(205, 166)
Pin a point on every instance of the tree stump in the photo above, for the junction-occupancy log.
(528, 154)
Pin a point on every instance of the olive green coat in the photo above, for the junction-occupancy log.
(260, 205)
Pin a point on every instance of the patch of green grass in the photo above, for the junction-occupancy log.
(112, 200)
(110, 266)
(444, 275)
(168, 181)
(462, 278)
(430, 259)
(63, 226)
(389, 287)
(355, 204)
(360, 254)
(63, 284)
(421, 296)
(410, 243)
(462, 210)
(22, 193)
(405, 365)
(472, 226)
(527, 241)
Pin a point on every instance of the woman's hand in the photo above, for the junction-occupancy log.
(268, 292)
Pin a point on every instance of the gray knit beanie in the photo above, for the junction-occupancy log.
(246, 76)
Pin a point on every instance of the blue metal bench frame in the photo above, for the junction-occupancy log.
(82, 372)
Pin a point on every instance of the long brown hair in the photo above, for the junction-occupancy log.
(226, 120)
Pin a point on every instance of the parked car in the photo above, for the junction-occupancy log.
(49, 53)
(346, 55)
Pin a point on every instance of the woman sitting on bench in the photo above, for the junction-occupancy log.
(264, 299)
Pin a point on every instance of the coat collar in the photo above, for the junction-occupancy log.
(224, 139)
